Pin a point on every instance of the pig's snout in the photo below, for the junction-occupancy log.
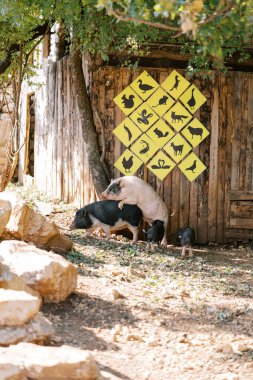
(72, 226)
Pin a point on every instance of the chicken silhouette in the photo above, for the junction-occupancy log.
(192, 101)
(176, 83)
(144, 87)
(192, 167)
(127, 164)
(128, 102)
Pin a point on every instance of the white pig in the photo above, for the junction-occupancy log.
(134, 191)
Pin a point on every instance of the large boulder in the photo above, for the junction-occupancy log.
(9, 280)
(17, 307)
(37, 330)
(28, 225)
(48, 273)
(47, 363)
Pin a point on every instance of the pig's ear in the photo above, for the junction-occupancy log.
(84, 211)
(120, 184)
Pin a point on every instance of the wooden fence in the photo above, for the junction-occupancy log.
(218, 204)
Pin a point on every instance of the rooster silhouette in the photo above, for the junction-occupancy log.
(127, 163)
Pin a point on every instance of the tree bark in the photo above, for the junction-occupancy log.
(98, 174)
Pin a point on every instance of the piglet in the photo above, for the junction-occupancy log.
(155, 233)
(187, 237)
(109, 217)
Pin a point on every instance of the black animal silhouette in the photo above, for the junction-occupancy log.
(175, 86)
(193, 166)
(145, 148)
(161, 165)
(162, 101)
(144, 117)
(127, 163)
(195, 131)
(160, 134)
(178, 118)
(178, 149)
(128, 132)
(192, 101)
(144, 87)
(128, 102)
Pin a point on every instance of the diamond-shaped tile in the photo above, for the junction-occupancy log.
(144, 148)
(160, 133)
(127, 100)
(128, 163)
(127, 132)
(178, 116)
(144, 85)
(192, 167)
(195, 132)
(161, 165)
(175, 84)
(177, 148)
(144, 117)
(160, 101)
(192, 99)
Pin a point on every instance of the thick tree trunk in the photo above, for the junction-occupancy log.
(99, 177)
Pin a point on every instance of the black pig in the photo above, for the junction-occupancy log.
(108, 216)
(155, 233)
(187, 237)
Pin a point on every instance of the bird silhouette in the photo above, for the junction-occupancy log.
(192, 101)
(128, 102)
(127, 164)
(128, 132)
(192, 167)
(144, 87)
(160, 134)
(162, 101)
(177, 80)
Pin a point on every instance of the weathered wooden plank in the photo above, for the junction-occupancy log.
(249, 142)
(241, 223)
(213, 170)
(241, 195)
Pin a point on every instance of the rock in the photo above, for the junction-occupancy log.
(46, 272)
(28, 225)
(5, 213)
(225, 348)
(49, 363)
(37, 330)
(16, 308)
(9, 280)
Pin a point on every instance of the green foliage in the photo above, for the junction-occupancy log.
(210, 31)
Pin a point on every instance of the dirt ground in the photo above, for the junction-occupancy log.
(148, 315)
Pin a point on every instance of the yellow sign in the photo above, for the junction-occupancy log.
(128, 163)
(144, 85)
(192, 167)
(175, 84)
(144, 117)
(127, 132)
(127, 100)
(160, 101)
(177, 148)
(193, 99)
(178, 116)
(161, 165)
(154, 116)
(160, 133)
(144, 148)
(195, 132)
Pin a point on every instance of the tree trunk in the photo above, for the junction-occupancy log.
(99, 177)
